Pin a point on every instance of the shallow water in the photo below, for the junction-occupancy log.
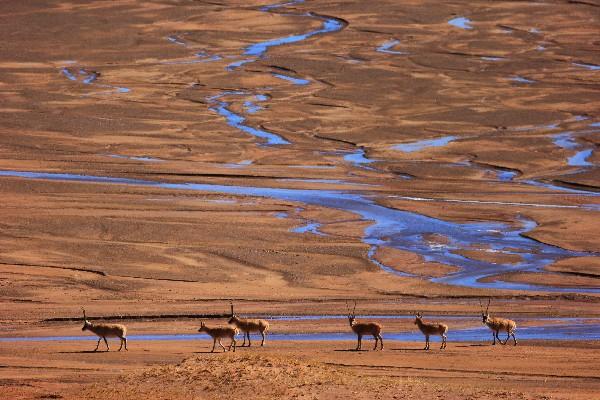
(326, 181)
(280, 5)
(359, 159)
(520, 79)
(565, 140)
(395, 228)
(68, 74)
(423, 144)
(176, 40)
(89, 78)
(580, 158)
(295, 81)
(388, 46)
(145, 159)
(237, 121)
(251, 108)
(501, 203)
(310, 227)
(200, 56)
(237, 64)
(259, 50)
(506, 176)
(329, 25)
(461, 22)
(563, 189)
(568, 331)
(591, 67)
(241, 164)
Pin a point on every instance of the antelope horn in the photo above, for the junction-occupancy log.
(84, 317)
(349, 309)
(481, 306)
(354, 310)
(488, 306)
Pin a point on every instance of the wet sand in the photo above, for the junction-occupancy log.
(415, 156)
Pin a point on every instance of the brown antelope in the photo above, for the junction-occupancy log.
(498, 324)
(106, 330)
(219, 333)
(364, 328)
(250, 325)
(430, 328)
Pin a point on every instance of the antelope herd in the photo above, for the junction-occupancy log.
(246, 326)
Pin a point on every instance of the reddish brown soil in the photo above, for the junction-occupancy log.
(140, 251)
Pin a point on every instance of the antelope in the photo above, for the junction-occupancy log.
(104, 330)
(430, 328)
(498, 324)
(250, 325)
(219, 333)
(364, 328)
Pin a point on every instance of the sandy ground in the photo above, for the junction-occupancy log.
(188, 370)
(133, 251)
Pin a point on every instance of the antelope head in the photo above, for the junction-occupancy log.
(484, 314)
(418, 317)
(202, 327)
(351, 314)
(86, 323)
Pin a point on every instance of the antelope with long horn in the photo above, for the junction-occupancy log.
(249, 325)
(219, 333)
(103, 330)
(431, 328)
(364, 328)
(498, 324)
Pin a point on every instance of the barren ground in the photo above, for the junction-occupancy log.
(148, 90)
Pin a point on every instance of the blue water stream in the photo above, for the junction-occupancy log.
(395, 228)
(574, 330)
